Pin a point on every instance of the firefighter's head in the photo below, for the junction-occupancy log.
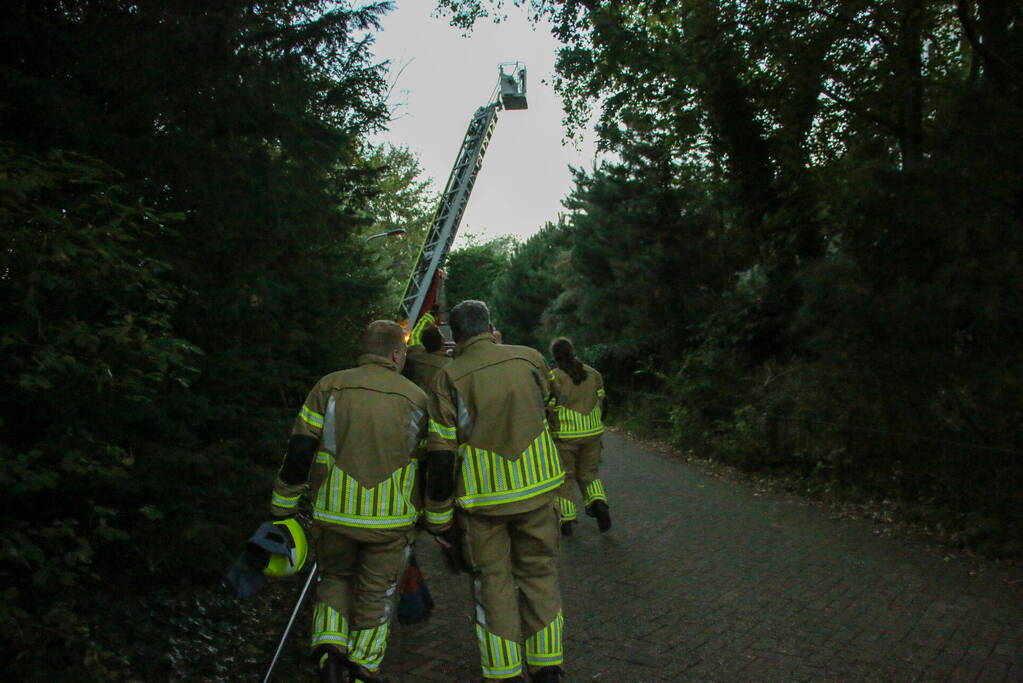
(432, 339)
(564, 356)
(468, 319)
(562, 349)
(385, 338)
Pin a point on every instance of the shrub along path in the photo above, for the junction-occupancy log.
(702, 578)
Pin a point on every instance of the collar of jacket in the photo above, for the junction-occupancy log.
(462, 346)
(373, 359)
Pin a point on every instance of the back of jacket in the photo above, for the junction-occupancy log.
(424, 365)
(579, 406)
(369, 421)
(489, 406)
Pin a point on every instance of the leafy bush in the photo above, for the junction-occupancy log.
(89, 357)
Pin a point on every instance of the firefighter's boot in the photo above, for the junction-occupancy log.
(333, 669)
(547, 674)
(599, 509)
(566, 528)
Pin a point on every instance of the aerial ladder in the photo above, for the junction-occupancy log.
(423, 286)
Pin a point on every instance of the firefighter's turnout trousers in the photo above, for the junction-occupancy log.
(581, 460)
(515, 588)
(357, 591)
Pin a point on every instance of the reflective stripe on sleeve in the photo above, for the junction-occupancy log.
(311, 417)
(439, 517)
(282, 501)
(444, 432)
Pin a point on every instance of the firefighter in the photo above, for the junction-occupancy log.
(426, 352)
(580, 405)
(353, 447)
(491, 479)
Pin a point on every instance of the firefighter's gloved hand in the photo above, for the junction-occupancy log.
(299, 515)
(452, 549)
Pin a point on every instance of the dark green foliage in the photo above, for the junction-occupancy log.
(90, 358)
(473, 270)
(403, 202)
(808, 249)
(534, 277)
(173, 283)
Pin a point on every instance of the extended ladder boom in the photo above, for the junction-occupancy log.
(421, 290)
(449, 213)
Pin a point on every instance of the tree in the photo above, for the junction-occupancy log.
(404, 202)
(186, 177)
(473, 269)
(852, 171)
(87, 336)
(532, 281)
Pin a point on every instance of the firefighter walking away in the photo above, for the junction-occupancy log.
(580, 398)
(492, 473)
(354, 446)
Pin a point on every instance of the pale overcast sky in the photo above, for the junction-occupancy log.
(441, 77)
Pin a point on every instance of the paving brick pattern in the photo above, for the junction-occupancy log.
(703, 579)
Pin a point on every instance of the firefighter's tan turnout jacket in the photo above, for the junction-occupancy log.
(369, 421)
(423, 364)
(488, 406)
(579, 406)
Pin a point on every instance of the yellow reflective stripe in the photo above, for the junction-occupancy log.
(367, 646)
(595, 491)
(439, 517)
(601, 393)
(329, 626)
(311, 417)
(365, 520)
(552, 399)
(575, 425)
(417, 331)
(342, 500)
(544, 648)
(567, 507)
(490, 479)
(580, 434)
(499, 658)
(495, 498)
(443, 431)
(282, 501)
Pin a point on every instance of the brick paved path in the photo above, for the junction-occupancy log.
(702, 579)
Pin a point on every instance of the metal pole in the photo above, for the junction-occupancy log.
(389, 233)
(291, 622)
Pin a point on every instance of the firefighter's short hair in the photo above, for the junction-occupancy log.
(468, 319)
(382, 337)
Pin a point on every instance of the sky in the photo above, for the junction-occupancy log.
(440, 77)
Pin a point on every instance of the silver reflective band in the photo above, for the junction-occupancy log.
(505, 496)
(358, 520)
